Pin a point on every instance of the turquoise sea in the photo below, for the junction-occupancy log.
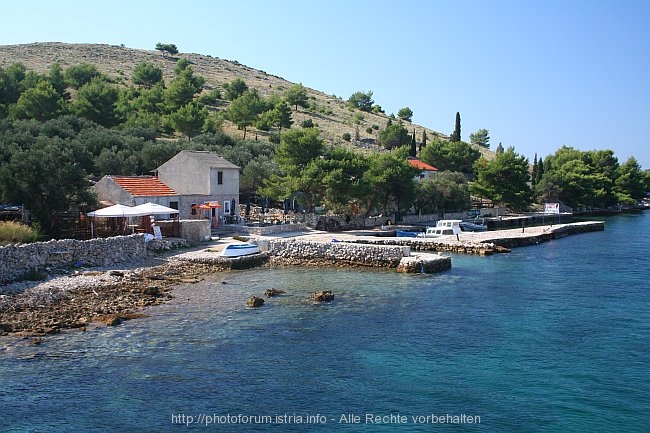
(553, 337)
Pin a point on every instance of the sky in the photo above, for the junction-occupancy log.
(536, 74)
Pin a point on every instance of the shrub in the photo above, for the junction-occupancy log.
(307, 123)
(369, 130)
(15, 233)
(347, 136)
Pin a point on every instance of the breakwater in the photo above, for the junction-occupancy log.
(299, 252)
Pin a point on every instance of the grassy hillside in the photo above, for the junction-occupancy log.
(331, 114)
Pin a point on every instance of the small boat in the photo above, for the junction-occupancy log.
(405, 234)
(442, 228)
(239, 249)
(473, 226)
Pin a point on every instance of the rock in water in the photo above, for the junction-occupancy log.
(323, 296)
(273, 292)
(254, 301)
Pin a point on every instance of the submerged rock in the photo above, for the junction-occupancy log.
(273, 292)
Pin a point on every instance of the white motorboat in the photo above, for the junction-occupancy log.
(442, 228)
(239, 249)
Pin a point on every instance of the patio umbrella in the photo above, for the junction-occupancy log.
(155, 209)
(117, 211)
(232, 207)
(248, 208)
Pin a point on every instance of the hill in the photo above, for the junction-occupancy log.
(330, 113)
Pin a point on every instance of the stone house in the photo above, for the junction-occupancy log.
(186, 181)
(203, 178)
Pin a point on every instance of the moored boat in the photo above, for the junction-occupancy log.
(405, 234)
(475, 225)
(239, 249)
(442, 228)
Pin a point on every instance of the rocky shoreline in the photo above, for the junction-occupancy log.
(91, 298)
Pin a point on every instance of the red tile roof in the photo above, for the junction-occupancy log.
(421, 165)
(143, 186)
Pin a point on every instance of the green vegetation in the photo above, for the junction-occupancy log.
(447, 190)
(393, 136)
(455, 136)
(166, 49)
(66, 128)
(296, 95)
(450, 156)
(361, 100)
(591, 179)
(480, 138)
(405, 114)
(504, 180)
(146, 75)
(15, 233)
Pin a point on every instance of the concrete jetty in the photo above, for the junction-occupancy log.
(479, 243)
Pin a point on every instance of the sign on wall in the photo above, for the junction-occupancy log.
(552, 208)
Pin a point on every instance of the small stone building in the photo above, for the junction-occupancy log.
(202, 177)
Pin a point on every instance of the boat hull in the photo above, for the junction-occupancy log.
(236, 250)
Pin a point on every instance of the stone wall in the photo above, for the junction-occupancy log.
(424, 264)
(196, 230)
(289, 251)
(271, 230)
(18, 261)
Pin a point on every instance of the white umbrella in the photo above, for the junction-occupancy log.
(155, 209)
(117, 211)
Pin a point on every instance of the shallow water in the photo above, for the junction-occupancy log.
(551, 337)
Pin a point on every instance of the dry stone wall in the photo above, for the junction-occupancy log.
(18, 261)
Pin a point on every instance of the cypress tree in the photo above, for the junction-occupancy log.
(540, 171)
(423, 143)
(533, 177)
(413, 151)
(455, 136)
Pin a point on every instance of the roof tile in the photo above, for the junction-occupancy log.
(421, 165)
(147, 186)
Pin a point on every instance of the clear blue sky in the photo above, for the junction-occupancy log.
(536, 74)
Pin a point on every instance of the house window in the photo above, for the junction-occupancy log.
(193, 207)
(226, 207)
(220, 177)
(173, 205)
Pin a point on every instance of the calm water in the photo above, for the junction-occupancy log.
(553, 337)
